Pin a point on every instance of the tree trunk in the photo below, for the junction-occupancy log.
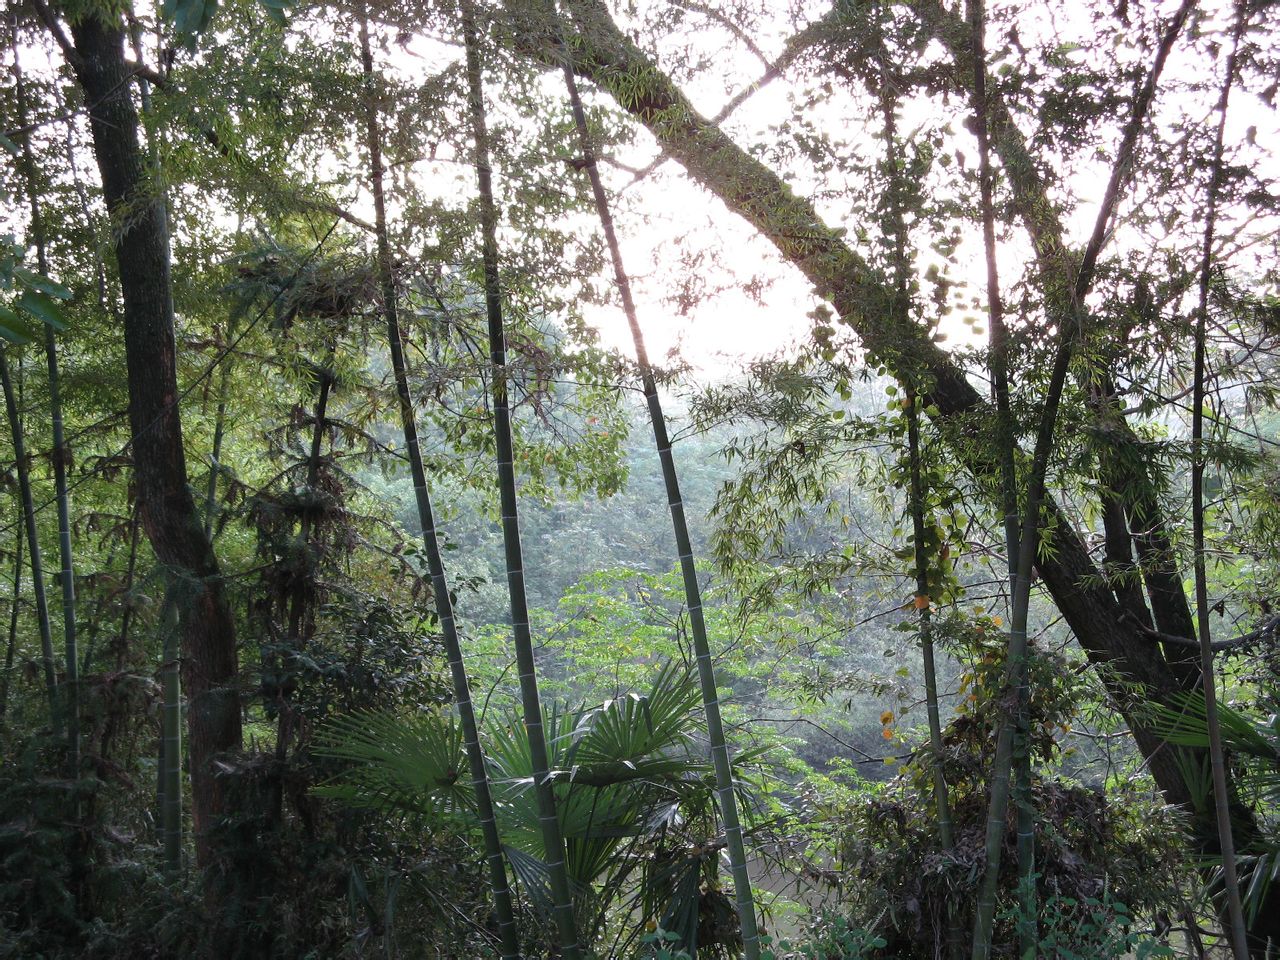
(170, 739)
(15, 606)
(495, 860)
(166, 507)
(1217, 762)
(61, 452)
(602, 53)
(33, 543)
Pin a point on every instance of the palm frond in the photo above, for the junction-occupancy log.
(1184, 722)
(407, 764)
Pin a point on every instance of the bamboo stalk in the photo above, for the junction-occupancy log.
(1071, 328)
(171, 736)
(494, 859)
(15, 605)
(721, 762)
(61, 451)
(924, 604)
(1217, 761)
(33, 544)
(215, 454)
(901, 305)
(1028, 933)
(553, 841)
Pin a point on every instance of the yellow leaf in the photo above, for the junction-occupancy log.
(886, 717)
(998, 621)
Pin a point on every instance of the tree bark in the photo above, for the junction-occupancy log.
(603, 54)
(166, 508)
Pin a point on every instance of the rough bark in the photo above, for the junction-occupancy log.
(166, 508)
(863, 299)
(1121, 457)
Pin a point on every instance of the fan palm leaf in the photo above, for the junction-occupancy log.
(408, 764)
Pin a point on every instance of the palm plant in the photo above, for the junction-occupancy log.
(631, 798)
(1254, 746)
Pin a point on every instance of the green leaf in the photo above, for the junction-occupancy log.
(43, 307)
(189, 17)
(13, 328)
(276, 9)
(42, 283)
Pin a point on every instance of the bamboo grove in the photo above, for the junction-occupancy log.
(378, 583)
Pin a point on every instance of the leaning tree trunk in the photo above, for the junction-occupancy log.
(1131, 664)
(684, 546)
(494, 858)
(549, 820)
(166, 507)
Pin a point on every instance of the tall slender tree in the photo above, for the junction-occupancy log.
(1127, 659)
(549, 820)
(1071, 322)
(720, 759)
(219, 437)
(495, 860)
(170, 735)
(1217, 762)
(895, 202)
(15, 608)
(70, 701)
(27, 499)
(95, 51)
(1007, 451)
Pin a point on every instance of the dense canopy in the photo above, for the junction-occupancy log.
(657, 479)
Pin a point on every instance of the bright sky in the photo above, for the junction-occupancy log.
(666, 217)
(667, 213)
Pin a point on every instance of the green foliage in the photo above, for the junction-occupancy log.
(893, 879)
(32, 297)
(792, 472)
(1093, 929)
(633, 799)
